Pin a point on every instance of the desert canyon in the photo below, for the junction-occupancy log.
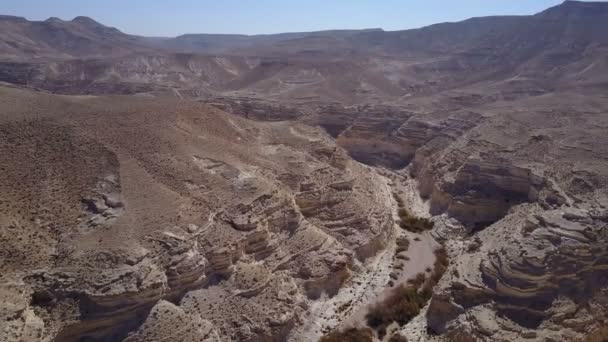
(447, 183)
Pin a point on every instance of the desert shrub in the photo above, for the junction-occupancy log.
(418, 280)
(349, 335)
(405, 301)
(403, 213)
(412, 223)
(441, 256)
(401, 306)
(399, 201)
(441, 264)
(397, 338)
(403, 242)
(400, 249)
(344, 306)
(475, 245)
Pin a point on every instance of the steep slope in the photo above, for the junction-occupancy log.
(113, 206)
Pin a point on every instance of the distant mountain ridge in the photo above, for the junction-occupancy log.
(563, 46)
(83, 37)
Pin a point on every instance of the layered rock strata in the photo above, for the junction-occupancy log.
(139, 213)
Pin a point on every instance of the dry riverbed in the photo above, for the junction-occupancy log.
(375, 279)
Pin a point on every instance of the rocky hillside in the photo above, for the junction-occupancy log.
(120, 210)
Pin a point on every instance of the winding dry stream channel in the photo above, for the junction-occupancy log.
(371, 283)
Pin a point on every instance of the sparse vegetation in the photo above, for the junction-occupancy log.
(412, 223)
(408, 221)
(342, 308)
(349, 335)
(403, 304)
(474, 245)
(399, 200)
(397, 338)
(418, 280)
(405, 301)
(400, 249)
(441, 264)
(403, 244)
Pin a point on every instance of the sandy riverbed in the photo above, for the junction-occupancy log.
(370, 284)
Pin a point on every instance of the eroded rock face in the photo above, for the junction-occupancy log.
(524, 228)
(392, 136)
(546, 280)
(480, 192)
(166, 316)
(373, 134)
(227, 228)
(563, 257)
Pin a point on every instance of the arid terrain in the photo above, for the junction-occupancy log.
(447, 183)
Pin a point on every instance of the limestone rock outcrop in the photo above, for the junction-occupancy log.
(548, 278)
(225, 227)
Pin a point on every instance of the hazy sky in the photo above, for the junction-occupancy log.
(175, 17)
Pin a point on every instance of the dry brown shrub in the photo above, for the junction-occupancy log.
(412, 223)
(349, 335)
(397, 338)
(401, 306)
(404, 302)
